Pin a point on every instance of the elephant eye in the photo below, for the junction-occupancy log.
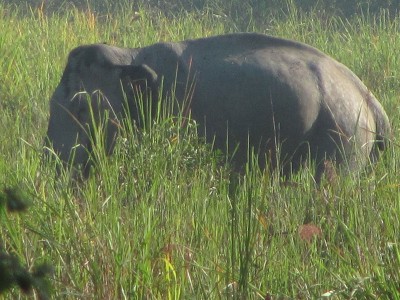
(83, 112)
(80, 106)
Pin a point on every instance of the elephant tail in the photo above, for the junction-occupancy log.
(383, 128)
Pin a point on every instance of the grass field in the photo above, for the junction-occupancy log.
(164, 218)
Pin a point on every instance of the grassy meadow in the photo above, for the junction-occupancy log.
(164, 217)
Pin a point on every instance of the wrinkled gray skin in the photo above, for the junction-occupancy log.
(251, 88)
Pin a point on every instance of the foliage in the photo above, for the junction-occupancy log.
(11, 271)
(164, 217)
(233, 8)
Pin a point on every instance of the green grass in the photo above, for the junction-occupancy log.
(164, 218)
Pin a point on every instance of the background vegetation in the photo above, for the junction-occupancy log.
(164, 218)
(229, 7)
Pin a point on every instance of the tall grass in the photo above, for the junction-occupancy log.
(163, 217)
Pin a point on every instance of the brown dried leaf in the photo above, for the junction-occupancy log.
(308, 232)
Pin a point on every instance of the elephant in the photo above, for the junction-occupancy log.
(286, 100)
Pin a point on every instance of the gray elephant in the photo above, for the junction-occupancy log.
(244, 90)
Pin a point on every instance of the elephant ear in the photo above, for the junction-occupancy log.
(140, 85)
